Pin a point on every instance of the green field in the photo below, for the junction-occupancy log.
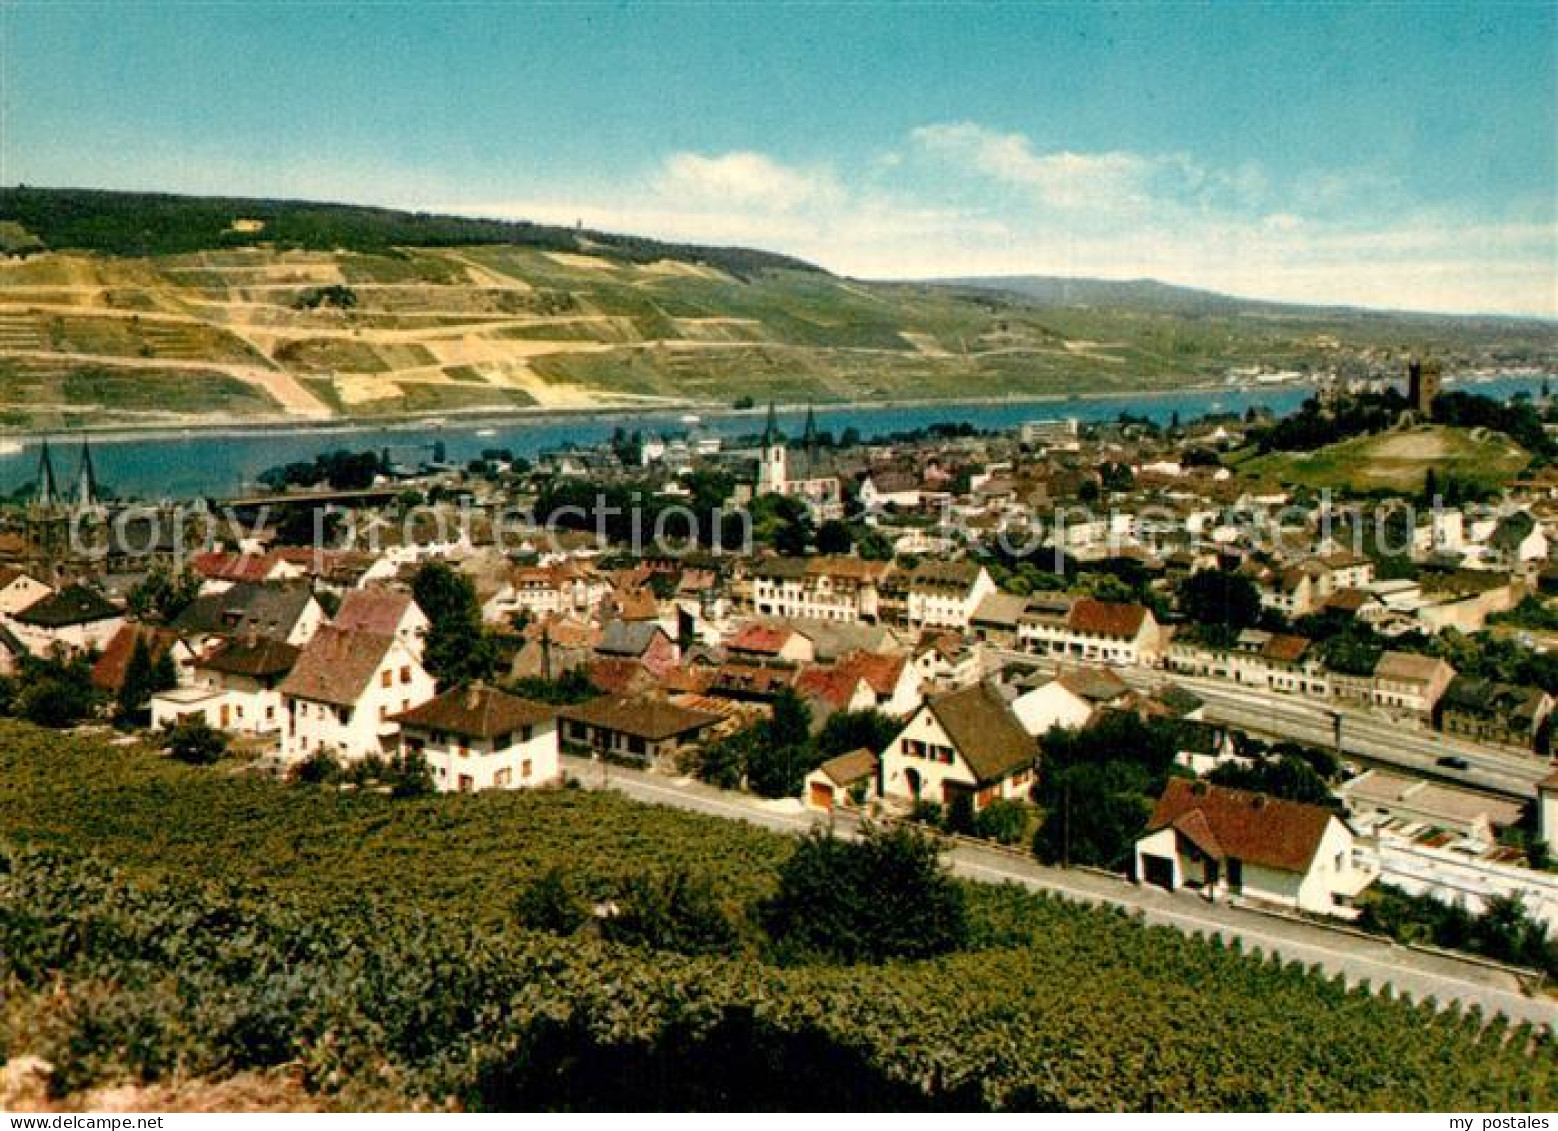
(368, 944)
(1397, 461)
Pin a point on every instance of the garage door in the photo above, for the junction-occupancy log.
(1158, 871)
(821, 795)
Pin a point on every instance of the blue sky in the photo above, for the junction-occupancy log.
(1389, 154)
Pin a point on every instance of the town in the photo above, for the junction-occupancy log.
(1114, 647)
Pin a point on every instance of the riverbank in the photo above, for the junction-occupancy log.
(499, 417)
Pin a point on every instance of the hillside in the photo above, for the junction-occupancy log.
(208, 924)
(139, 308)
(1398, 461)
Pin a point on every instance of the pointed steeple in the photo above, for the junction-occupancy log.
(46, 493)
(86, 481)
(809, 437)
(771, 430)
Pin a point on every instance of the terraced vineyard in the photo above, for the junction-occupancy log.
(450, 314)
(369, 943)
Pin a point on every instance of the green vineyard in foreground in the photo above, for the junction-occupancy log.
(380, 955)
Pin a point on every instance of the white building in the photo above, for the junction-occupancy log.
(480, 738)
(235, 687)
(820, 588)
(966, 741)
(945, 594)
(344, 692)
(1103, 632)
(1233, 843)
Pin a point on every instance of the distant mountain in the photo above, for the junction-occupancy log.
(1169, 298)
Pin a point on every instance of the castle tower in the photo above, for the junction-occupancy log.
(772, 471)
(1423, 381)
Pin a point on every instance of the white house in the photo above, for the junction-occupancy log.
(76, 619)
(945, 594)
(236, 687)
(384, 612)
(1231, 842)
(479, 738)
(1054, 703)
(345, 689)
(18, 590)
(1105, 632)
(965, 741)
(821, 588)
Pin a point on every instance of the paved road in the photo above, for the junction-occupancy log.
(1399, 743)
(1380, 962)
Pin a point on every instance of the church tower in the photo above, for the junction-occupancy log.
(772, 466)
(47, 521)
(86, 500)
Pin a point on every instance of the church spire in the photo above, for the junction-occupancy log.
(86, 481)
(46, 493)
(809, 438)
(771, 429)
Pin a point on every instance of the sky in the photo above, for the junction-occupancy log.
(1388, 154)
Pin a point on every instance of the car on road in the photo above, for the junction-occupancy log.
(1454, 762)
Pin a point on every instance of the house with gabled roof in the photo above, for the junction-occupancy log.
(1234, 843)
(77, 619)
(19, 589)
(478, 737)
(234, 686)
(108, 672)
(344, 692)
(1092, 631)
(384, 612)
(967, 741)
(846, 782)
(287, 612)
(644, 728)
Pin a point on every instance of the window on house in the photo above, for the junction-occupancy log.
(405, 673)
(385, 677)
(524, 768)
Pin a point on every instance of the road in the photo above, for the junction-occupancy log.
(1356, 958)
(1400, 743)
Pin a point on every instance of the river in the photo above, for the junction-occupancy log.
(223, 464)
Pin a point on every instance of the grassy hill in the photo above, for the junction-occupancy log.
(1398, 461)
(121, 307)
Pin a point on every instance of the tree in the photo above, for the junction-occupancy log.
(549, 903)
(853, 730)
(194, 741)
(833, 537)
(780, 756)
(874, 546)
(458, 648)
(1093, 815)
(160, 595)
(678, 912)
(143, 678)
(1221, 600)
(55, 691)
(884, 896)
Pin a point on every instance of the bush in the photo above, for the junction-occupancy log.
(549, 903)
(677, 912)
(322, 767)
(194, 741)
(883, 896)
(1003, 821)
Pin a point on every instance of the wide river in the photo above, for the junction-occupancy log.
(224, 464)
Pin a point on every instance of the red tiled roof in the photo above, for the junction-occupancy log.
(109, 670)
(219, 565)
(1242, 825)
(619, 675)
(477, 712)
(763, 638)
(1106, 618)
(833, 686)
(881, 672)
(336, 667)
(372, 610)
(1285, 649)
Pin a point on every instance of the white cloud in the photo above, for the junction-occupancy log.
(961, 199)
(743, 179)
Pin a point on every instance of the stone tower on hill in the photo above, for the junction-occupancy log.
(1423, 381)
